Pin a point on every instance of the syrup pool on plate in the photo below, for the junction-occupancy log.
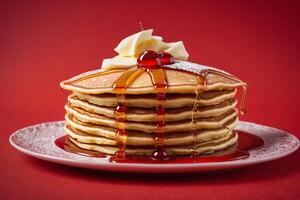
(246, 143)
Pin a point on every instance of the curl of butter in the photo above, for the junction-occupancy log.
(131, 47)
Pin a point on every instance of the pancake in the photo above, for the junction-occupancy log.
(148, 100)
(202, 148)
(100, 82)
(89, 133)
(185, 125)
(145, 102)
(147, 115)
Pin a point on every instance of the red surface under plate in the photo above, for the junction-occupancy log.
(44, 42)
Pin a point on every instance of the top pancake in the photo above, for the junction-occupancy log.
(100, 82)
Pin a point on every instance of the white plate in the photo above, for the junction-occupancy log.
(38, 141)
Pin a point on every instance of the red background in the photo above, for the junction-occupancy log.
(44, 42)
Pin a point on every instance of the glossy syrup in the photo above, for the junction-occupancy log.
(160, 85)
(119, 87)
(235, 79)
(246, 143)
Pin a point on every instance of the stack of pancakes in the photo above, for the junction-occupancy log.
(91, 122)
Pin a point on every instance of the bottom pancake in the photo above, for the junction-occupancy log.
(207, 147)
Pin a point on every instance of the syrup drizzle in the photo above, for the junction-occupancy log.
(201, 84)
(160, 85)
(234, 78)
(119, 87)
(243, 101)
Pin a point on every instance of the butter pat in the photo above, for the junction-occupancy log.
(118, 62)
(131, 47)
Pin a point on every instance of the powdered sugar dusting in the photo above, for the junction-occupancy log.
(40, 139)
(192, 67)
